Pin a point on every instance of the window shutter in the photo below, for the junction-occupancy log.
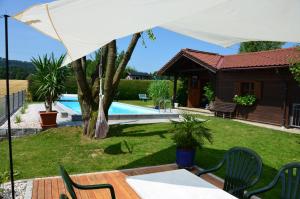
(257, 89)
(237, 88)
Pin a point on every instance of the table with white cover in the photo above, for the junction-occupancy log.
(176, 184)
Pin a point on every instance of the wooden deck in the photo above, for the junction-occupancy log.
(51, 188)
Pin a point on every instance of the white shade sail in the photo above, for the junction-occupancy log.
(83, 26)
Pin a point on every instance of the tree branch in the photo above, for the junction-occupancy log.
(80, 75)
(125, 59)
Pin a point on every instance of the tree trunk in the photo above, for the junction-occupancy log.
(88, 90)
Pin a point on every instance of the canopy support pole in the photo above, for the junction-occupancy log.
(8, 109)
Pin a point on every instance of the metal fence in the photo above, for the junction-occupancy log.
(295, 119)
(16, 101)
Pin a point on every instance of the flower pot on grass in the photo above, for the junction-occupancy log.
(188, 135)
(51, 78)
(185, 158)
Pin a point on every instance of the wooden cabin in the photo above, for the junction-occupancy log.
(264, 74)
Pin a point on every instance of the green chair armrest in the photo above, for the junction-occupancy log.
(97, 186)
(211, 170)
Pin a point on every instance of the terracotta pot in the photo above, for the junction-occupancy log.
(48, 119)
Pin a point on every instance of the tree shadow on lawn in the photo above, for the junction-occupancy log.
(120, 131)
(205, 158)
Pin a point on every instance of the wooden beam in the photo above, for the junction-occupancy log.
(175, 89)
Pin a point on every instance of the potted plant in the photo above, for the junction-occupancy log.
(188, 135)
(50, 77)
(209, 93)
(246, 100)
(158, 91)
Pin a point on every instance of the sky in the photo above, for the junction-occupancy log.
(25, 42)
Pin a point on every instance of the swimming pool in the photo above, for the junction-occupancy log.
(117, 108)
(117, 111)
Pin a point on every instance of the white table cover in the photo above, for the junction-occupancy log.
(176, 184)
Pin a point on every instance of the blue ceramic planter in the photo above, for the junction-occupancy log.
(185, 157)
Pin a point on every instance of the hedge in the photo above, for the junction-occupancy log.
(128, 89)
(71, 87)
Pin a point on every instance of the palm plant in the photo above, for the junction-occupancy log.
(190, 133)
(51, 77)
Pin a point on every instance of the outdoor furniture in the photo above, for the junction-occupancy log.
(176, 184)
(289, 175)
(143, 97)
(223, 109)
(70, 185)
(243, 170)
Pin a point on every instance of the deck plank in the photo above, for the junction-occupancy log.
(48, 189)
(41, 189)
(54, 186)
(35, 189)
(51, 188)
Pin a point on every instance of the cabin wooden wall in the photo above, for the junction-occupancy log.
(270, 107)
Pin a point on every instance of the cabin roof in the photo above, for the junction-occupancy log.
(253, 60)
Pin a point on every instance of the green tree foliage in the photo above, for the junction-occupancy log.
(190, 133)
(158, 90)
(209, 92)
(255, 46)
(18, 69)
(51, 77)
(295, 68)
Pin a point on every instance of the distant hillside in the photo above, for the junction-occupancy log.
(18, 69)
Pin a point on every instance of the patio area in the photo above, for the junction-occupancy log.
(50, 188)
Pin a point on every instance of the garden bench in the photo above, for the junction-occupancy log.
(223, 108)
(143, 97)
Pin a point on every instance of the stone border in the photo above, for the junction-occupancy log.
(28, 192)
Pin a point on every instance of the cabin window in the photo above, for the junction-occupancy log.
(194, 81)
(247, 88)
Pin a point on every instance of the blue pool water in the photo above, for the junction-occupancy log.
(116, 108)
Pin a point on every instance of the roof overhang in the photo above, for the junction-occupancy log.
(165, 70)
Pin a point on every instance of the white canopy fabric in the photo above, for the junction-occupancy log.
(85, 25)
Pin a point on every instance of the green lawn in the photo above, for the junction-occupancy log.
(39, 155)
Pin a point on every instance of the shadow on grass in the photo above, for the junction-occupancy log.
(114, 149)
(117, 149)
(120, 131)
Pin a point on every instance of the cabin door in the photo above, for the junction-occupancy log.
(194, 92)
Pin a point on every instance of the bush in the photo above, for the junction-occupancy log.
(33, 85)
(159, 89)
(128, 89)
(209, 92)
(247, 100)
(190, 133)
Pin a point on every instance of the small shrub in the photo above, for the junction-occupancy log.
(190, 133)
(5, 177)
(209, 92)
(158, 90)
(23, 110)
(18, 119)
(247, 100)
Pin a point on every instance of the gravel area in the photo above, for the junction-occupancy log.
(20, 190)
(31, 118)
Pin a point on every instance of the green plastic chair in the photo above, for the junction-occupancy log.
(289, 175)
(70, 186)
(243, 170)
